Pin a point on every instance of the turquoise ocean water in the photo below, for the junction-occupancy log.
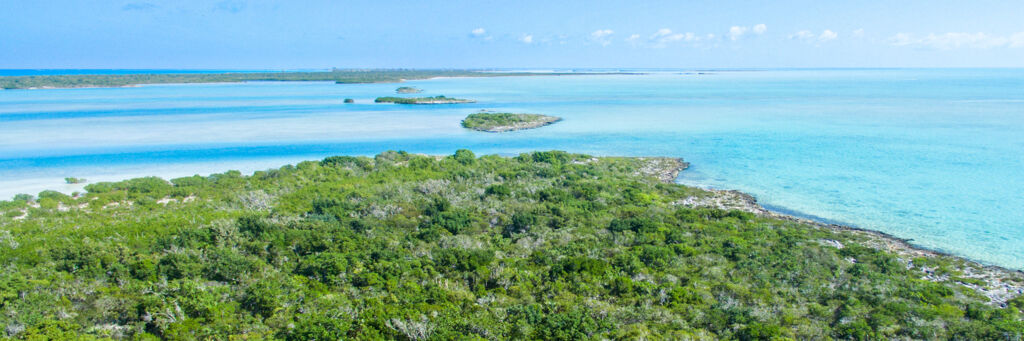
(936, 156)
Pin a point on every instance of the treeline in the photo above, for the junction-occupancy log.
(546, 245)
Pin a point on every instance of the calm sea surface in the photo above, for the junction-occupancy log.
(932, 155)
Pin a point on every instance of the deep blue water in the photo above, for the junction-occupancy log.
(936, 156)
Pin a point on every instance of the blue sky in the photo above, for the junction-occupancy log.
(254, 34)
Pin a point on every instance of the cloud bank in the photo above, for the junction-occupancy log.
(664, 37)
(958, 40)
(811, 37)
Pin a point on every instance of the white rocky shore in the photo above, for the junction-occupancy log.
(491, 122)
(997, 283)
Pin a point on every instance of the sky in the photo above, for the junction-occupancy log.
(317, 34)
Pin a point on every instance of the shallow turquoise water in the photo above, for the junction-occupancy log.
(936, 156)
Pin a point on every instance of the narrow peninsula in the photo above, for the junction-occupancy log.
(494, 122)
(422, 100)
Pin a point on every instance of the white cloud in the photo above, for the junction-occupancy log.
(810, 37)
(802, 35)
(661, 33)
(562, 39)
(480, 33)
(602, 37)
(858, 33)
(901, 39)
(736, 32)
(528, 39)
(1017, 40)
(664, 36)
(827, 35)
(957, 40)
(760, 28)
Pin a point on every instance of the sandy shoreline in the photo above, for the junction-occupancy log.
(1000, 284)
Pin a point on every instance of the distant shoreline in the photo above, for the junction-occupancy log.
(76, 81)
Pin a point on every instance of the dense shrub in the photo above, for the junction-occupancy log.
(543, 246)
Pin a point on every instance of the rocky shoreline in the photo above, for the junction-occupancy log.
(997, 283)
(522, 126)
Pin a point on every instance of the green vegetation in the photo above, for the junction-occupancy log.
(349, 100)
(408, 90)
(547, 245)
(499, 122)
(73, 180)
(337, 76)
(422, 100)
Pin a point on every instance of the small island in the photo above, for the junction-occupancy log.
(422, 100)
(349, 101)
(408, 90)
(493, 122)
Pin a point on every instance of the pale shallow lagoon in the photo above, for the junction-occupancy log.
(936, 156)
